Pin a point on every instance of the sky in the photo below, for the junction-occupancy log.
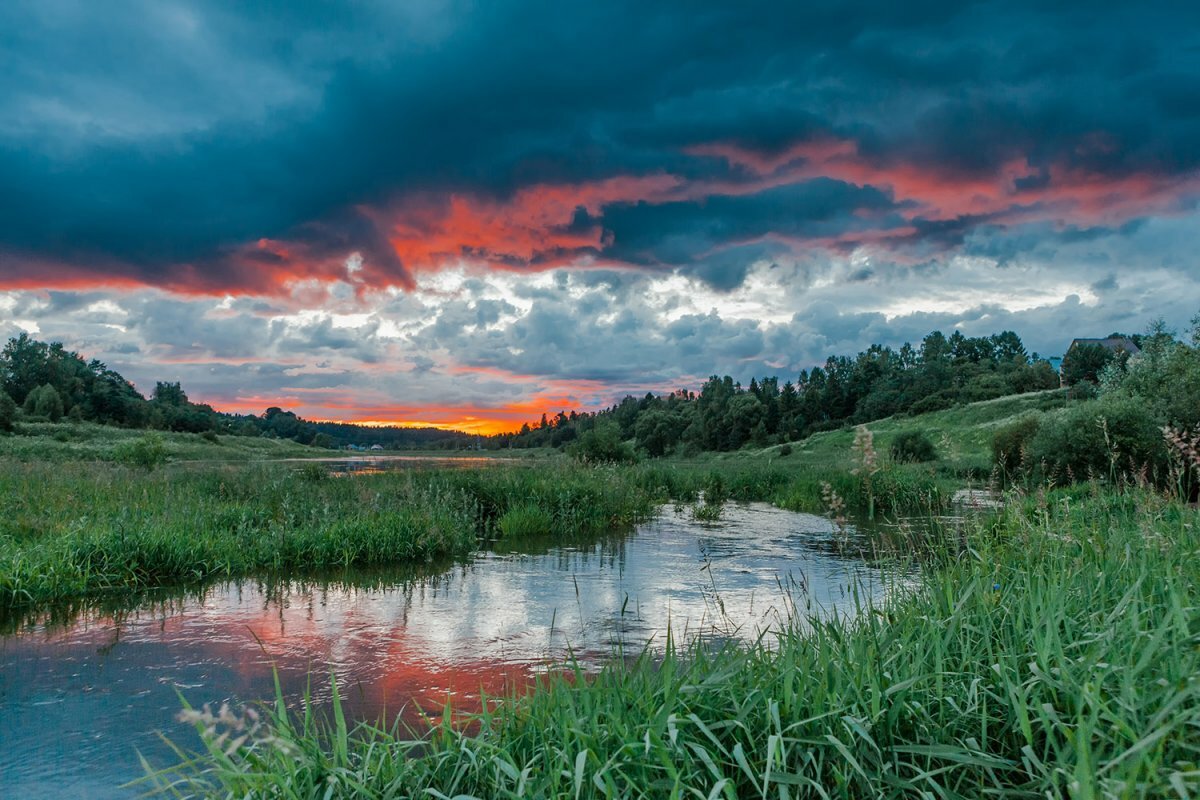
(465, 214)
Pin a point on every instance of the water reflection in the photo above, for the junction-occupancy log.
(77, 697)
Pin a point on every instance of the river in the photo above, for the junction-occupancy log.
(81, 697)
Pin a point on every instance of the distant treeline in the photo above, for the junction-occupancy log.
(48, 382)
(879, 382)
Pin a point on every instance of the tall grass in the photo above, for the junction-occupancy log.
(894, 488)
(76, 530)
(1056, 657)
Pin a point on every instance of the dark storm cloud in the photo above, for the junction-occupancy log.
(160, 144)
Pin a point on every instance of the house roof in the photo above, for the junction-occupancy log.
(1112, 343)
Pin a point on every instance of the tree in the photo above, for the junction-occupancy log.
(1084, 362)
(44, 401)
(602, 444)
(657, 431)
(170, 394)
(8, 411)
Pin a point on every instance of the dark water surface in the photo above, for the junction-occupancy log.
(80, 698)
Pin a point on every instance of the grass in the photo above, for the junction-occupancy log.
(524, 521)
(962, 436)
(85, 441)
(77, 530)
(1056, 656)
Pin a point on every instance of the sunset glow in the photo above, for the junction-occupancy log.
(382, 229)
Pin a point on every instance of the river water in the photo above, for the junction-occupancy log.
(81, 697)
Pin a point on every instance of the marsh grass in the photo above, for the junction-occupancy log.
(1055, 656)
(76, 530)
(525, 521)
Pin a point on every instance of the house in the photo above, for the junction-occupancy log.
(1114, 344)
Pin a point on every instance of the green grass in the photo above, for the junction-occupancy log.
(1056, 655)
(85, 441)
(962, 435)
(75, 530)
(524, 521)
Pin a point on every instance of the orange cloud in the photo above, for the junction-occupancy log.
(534, 226)
(1064, 193)
(540, 226)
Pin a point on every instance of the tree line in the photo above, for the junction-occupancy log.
(880, 381)
(42, 381)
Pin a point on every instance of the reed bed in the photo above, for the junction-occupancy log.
(1058, 655)
(75, 530)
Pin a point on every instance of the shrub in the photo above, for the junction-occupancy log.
(211, 436)
(146, 452)
(785, 450)
(1010, 444)
(603, 444)
(8, 411)
(933, 402)
(1104, 438)
(913, 447)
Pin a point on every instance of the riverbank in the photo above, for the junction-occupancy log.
(76, 530)
(1054, 655)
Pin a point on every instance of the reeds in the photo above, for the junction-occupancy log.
(70, 531)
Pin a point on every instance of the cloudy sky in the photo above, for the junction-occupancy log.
(466, 214)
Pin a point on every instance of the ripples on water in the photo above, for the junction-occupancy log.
(79, 697)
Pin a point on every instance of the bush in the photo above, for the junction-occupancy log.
(934, 402)
(785, 450)
(602, 444)
(147, 452)
(913, 447)
(8, 411)
(1106, 438)
(1010, 444)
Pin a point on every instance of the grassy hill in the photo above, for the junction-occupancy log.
(962, 435)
